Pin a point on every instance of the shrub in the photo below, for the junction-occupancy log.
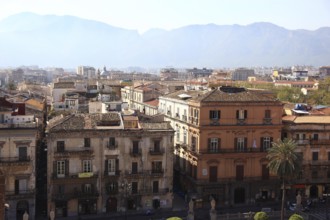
(296, 217)
(261, 216)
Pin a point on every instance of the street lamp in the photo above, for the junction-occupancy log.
(6, 211)
(126, 188)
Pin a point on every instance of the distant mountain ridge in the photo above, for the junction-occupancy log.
(50, 40)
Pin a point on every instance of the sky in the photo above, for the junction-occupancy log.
(143, 15)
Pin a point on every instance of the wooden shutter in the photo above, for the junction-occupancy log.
(66, 167)
(106, 171)
(245, 114)
(235, 143)
(261, 144)
(245, 144)
(219, 143)
(237, 114)
(117, 166)
(55, 168)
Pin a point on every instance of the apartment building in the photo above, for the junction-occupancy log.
(312, 135)
(18, 142)
(100, 163)
(221, 138)
(142, 97)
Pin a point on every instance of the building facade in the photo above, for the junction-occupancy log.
(18, 139)
(220, 150)
(98, 164)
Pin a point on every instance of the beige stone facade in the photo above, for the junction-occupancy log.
(98, 165)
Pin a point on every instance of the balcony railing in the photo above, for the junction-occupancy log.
(76, 194)
(316, 162)
(15, 159)
(81, 175)
(112, 146)
(21, 194)
(135, 152)
(74, 150)
(153, 151)
(234, 179)
(149, 191)
(230, 150)
(319, 142)
(267, 121)
(115, 173)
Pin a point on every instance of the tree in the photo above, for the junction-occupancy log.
(285, 162)
(261, 216)
(296, 217)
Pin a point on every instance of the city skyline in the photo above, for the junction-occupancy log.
(146, 14)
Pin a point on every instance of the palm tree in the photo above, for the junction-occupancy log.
(285, 162)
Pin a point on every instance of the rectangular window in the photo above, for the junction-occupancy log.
(134, 167)
(193, 143)
(60, 146)
(315, 156)
(87, 166)
(213, 145)
(184, 136)
(240, 144)
(111, 166)
(87, 142)
(265, 172)
(112, 142)
(157, 146)
(213, 176)
(156, 166)
(155, 187)
(266, 143)
(241, 114)
(239, 172)
(112, 187)
(135, 147)
(134, 187)
(315, 136)
(87, 188)
(267, 113)
(214, 114)
(60, 168)
(22, 153)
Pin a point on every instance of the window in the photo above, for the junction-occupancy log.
(315, 136)
(111, 166)
(22, 153)
(156, 146)
(267, 113)
(87, 142)
(213, 174)
(60, 168)
(265, 172)
(134, 167)
(193, 143)
(134, 187)
(214, 115)
(61, 189)
(112, 187)
(112, 142)
(155, 187)
(156, 166)
(315, 156)
(60, 146)
(135, 147)
(21, 186)
(329, 155)
(314, 174)
(87, 166)
(87, 188)
(239, 172)
(195, 113)
(213, 145)
(178, 135)
(241, 144)
(265, 143)
(184, 136)
(241, 114)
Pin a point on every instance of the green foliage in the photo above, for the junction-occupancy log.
(11, 85)
(261, 216)
(296, 217)
(283, 159)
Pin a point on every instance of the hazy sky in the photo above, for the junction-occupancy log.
(168, 14)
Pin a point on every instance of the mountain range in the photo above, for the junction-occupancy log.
(67, 41)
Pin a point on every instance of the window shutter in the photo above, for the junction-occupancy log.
(219, 143)
(117, 165)
(219, 114)
(106, 171)
(210, 114)
(209, 143)
(261, 144)
(245, 144)
(245, 114)
(55, 167)
(237, 114)
(271, 141)
(66, 167)
(235, 143)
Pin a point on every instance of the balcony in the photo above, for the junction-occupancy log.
(135, 152)
(316, 162)
(184, 118)
(15, 160)
(153, 151)
(270, 179)
(230, 150)
(112, 174)
(74, 151)
(83, 194)
(75, 176)
(241, 121)
(267, 121)
(149, 191)
(320, 142)
(135, 173)
(21, 194)
(112, 146)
